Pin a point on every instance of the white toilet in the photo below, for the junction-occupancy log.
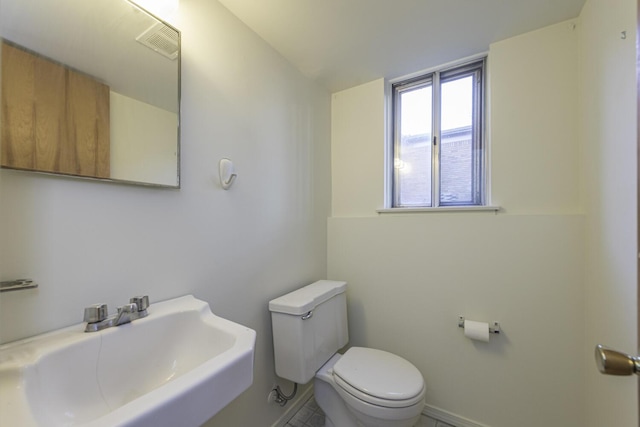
(362, 387)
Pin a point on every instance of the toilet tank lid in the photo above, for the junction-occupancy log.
(305, 299)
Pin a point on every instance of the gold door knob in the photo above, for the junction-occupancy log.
(612, 362)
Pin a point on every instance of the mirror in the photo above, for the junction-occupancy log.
(55, 56)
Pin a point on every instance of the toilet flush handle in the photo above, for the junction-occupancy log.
(308, 315)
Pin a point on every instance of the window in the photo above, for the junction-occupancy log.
(438, 150)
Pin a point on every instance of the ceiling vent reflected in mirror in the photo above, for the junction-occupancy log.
(162, 39)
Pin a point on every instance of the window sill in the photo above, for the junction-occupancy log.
(440, 209)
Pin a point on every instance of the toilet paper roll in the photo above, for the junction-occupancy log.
(478, 331)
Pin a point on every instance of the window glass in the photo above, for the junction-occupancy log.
(456, 178)
(413, 162)
(438, 149)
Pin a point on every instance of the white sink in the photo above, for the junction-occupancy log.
(178, 366)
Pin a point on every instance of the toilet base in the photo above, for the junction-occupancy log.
(338, 413)
(335, 410)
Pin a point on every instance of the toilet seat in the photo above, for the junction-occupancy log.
(379, 378)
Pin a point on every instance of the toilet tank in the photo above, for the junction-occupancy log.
(309, 326)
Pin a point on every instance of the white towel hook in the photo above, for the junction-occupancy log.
(227, 174)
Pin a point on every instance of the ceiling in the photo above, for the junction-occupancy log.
(343, 43)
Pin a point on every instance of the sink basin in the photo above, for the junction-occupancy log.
(178, 366)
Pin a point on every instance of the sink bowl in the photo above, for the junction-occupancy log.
(178, 366)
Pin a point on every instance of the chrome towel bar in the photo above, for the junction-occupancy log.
(17, 285)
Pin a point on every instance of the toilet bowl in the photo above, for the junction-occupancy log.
(363, 387)
(368, 387)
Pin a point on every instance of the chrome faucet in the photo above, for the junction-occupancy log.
(97, 317)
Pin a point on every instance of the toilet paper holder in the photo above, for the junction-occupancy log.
(494, 327)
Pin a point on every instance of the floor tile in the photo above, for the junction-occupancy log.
(303, 414)
(316, 420)
(427, 422)
(310, 415)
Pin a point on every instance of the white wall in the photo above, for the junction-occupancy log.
(143, 141)
(88, 242)
(357, 157)
(411, 275)
(534, 114)
(610, 175)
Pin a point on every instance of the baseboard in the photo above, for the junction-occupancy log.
(294, 406)
(449, 418)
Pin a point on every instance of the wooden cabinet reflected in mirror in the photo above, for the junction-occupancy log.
(54, 119)
(90, 89)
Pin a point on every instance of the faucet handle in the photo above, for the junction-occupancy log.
(95, 313)
(141, 301)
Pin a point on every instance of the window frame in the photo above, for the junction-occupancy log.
(476, 66)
